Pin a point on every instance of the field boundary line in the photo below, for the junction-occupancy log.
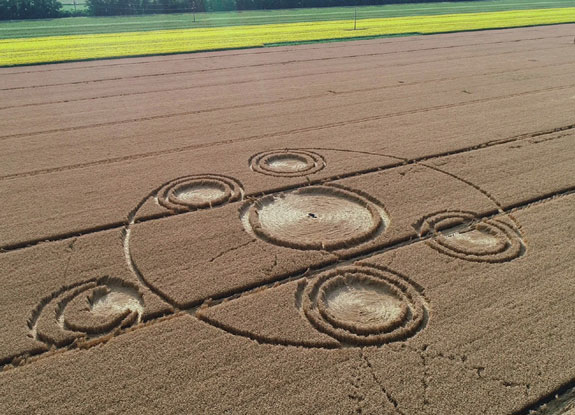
(255, 51)
(293, 61)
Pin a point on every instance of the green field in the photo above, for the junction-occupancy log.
(94, 46)
(98, 25)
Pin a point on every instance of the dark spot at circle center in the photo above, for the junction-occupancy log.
(312, 215)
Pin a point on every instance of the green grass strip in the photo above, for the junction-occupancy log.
(83, 47)
(119, 24)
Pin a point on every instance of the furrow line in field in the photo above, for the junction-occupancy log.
(203, 111)
(244, 139)
(558, 402)
(62, 236)
(216, 55)
(128, 94)
(294, 61)
(12, 362)
(400, 162)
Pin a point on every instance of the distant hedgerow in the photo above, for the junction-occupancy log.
(29, 9)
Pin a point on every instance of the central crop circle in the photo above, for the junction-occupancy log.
(314, 218)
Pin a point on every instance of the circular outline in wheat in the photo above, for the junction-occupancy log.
(508, 247)
(378, 222)
(409, 321)
(313, 162)
(62, 329)
(167, 195)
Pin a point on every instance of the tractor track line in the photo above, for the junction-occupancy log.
(129, 94)
(400, 162)
(251, 138)
(295, 61)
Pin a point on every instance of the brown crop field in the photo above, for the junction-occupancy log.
(371, 227)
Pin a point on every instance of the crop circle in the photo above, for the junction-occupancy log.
(363, 305)
(287, 163)
(87, 309)
(199, 192)
(317, 217)
(489, 240)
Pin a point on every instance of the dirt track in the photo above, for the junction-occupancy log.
(164, 254)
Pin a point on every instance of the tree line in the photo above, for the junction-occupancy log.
(35, 9)
(29, 9)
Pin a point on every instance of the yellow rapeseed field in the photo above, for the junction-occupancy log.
(69, 48)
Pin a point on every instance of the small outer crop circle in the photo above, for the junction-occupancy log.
(495, 240)
(287, 163)
(333, 230)
(86, 309)
(363, 328)
(206, 190)
(411, 318)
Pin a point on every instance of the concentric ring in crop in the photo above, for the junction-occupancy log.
(488, 240)
(315, 218)
(199, 192)
(364, 305)
(287, 163)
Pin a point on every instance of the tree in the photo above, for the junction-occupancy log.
(29, 9)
